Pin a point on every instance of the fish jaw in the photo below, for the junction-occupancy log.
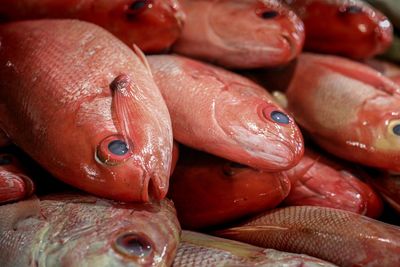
(274, 146)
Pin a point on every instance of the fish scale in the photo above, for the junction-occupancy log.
(341, 237)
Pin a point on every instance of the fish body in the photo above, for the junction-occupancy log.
(343, 27)
(388, 185)
(153, 25)
(208, 190)
(198, 249)
(71, 229)
(227, 115)
(240, 34)
(390, 70)
(15, 184)
(341, 237)
(85, 107)
(349, 109)
(318, 181)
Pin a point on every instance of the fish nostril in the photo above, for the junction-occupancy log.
(135, 8)
(132, 244)
(350, 10)
(270, 14)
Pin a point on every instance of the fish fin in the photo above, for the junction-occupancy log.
(142, 58)
(11, 214)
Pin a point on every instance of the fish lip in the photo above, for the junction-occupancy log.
(153, 188)
(292, 45)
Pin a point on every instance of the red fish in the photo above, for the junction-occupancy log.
(390, 70)
(227, 115)
(342, 237)
(344, 27)
(329, 184)
(85, 107)
(388, 185)
(83, 230)
(208, 190)
(14, 182)
(153, 25)
(349, 109)
(240, 34)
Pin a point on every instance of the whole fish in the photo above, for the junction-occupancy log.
(208, 190)
(350, 28)
(330, 184)
(227, 115)
(15, 184)
(198, 249)
(342, 237)
(82, 230)
(349, 109)
(388, 185)
(240, 34)
(153, 25)
(85, 107)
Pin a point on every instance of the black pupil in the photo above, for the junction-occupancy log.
(137, 5)
(279, 117)
(4, 160)
(118, 147)
(396, 129)
(269, 14)
(352, 9)
(134, 245)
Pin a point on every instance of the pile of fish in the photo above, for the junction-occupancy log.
(272, 128)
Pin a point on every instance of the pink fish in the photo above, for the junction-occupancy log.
(153, 25)
(85, 107)
(342, 237)
(240, 34)
(227, 115)
(82, 230)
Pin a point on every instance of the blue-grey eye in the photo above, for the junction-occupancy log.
(5, 159)
(396, 129)
(280, 117)
(135, 8)
(270, 14)
(132, 244)
(118, 147)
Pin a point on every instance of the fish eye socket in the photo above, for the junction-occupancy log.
(114, 150)
(136, 7)
(269, 14)
(350, 10)
(279, 117)
(5, 159)
(133, 245)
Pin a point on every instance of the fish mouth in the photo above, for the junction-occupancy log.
(292, 45)
(154, 188)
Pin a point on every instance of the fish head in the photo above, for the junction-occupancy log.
(153, 25)
(380, 124)
(260, 126)
(265, 31)
(94, 232)
(338, 26)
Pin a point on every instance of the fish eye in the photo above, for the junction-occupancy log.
(133, 245)
(136, 7)
(229, 168)
(5, 159)
(113, 150)
(279, 117)
(269, 14)
(350, 10)
(396, 129)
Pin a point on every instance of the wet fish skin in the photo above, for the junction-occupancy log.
(153, 25)
(72, 229)
(208, 190)
(344, 27)
(388, 185)
(342, 237)
(319, 181)
(240, 34)
(58, 94)
(348, 108)
(233, 118)
(198, 249)
(15, 184)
